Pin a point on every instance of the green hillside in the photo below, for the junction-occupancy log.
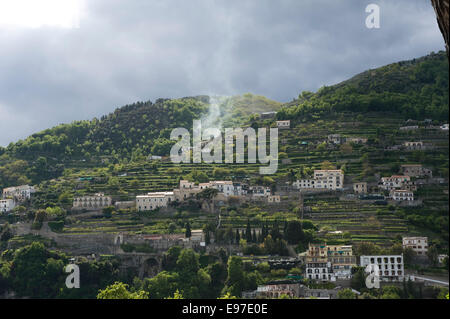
(414, 89)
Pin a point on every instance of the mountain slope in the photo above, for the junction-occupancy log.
(415, 89)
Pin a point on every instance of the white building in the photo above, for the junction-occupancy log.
(153, 201)
(390, 267)
(402, 195)
(323, 179)
(98, 201)
(18, 193)
(260, 191)
(6, 205)
(417, 244)
(225, 187)
(331, 179)
(284, 124)
(394, 182)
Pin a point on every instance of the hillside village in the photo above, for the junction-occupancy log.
(353, 189)
(320, 261)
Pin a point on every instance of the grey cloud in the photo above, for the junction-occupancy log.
(132, 50)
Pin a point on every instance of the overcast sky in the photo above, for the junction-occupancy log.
(119, 52)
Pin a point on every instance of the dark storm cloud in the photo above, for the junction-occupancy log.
(125, 51)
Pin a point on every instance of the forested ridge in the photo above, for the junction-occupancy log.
(415, 89)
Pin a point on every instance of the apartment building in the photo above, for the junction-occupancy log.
(317, 265)
(18, 193)
(402, 195)
(331, 179)
(154, 200)
(97, 201)
(342, 261)
(323, 179)
(7, 205)
(329, 262)
(394, 182)
(390, 267)
(418, 244)
(360, 188)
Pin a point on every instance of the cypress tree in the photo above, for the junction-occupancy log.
(188, 230)
(248, 232)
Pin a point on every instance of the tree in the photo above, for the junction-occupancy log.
(346, 294)
(433, 255)
(327, 165)
(235, 279)
(37, 272)
(358, 281)
(119, 290)
(176, 295)
(294, 232)
(248, 232)
(107, 211)
(187, 233)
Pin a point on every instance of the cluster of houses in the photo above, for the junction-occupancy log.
(13, 196)
(400, 187)
(334, 263)
(426, 124)
(187, 190)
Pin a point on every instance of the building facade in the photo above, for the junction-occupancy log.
(360, 188)
(284, 124)
(416, 170)
(273, 199)
(18, 193)
(97, 201)
(418, 244)
(342, 261)
(391, 268)
(7, 205)
(394, 182)
(154, 200)
(323, 179)
(401, 195)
